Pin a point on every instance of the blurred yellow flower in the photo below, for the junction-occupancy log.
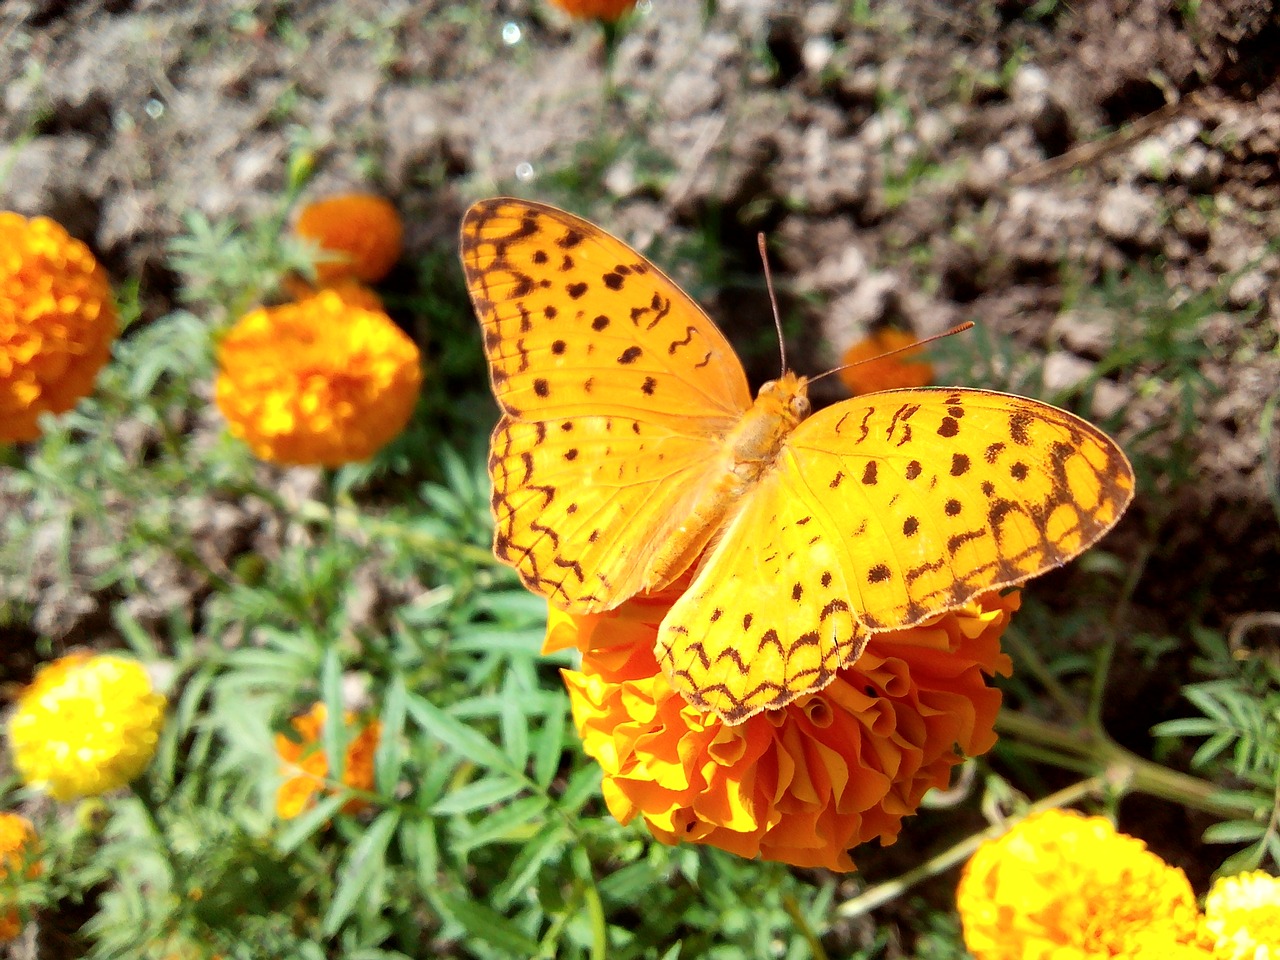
(306, 768)
(1063, 885)
(595, 9)
(886, 373)
(86, 724)
(57, 322)
(317, 382)
(1242, 917)
(802, 784)
(362, 229)
(18, 851)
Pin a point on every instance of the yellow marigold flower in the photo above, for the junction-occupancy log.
(608, 10)
(57, 322)
(886, 373)
(317, 382)
(304, 764)
(1069, 887)
(802, 784)
(18, 852)
(86, 724)
(1242, 917)
(362, 230)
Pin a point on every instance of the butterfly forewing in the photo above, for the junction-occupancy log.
(615, 390)
(941, 494)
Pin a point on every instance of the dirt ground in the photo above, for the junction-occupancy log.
(919, 163)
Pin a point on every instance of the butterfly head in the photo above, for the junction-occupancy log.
(786, 398)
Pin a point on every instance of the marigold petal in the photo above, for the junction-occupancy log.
(57, 322)
(362, 230)
(87, 724)
(802, 784)
(1242, 917)
(1063, 885)
(317, 382)
(875, 372)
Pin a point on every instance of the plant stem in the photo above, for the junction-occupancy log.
(1073, 745)
(882, 893)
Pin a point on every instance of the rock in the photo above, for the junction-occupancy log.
(990, 172)
(1127, 215)
(1248, 289)
(46, 178)
(1087, 334)
(1064, 371)
(421, 131)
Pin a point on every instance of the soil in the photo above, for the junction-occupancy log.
(917, 163)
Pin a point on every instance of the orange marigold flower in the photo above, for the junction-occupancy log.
(57, 322)
(1242, 917)
(608, 10)
(1063, 885)
(317, 382)
(886, 373)
(306, 768)
(18, 851)
(802, 784)
(361, 230)
(87, 724)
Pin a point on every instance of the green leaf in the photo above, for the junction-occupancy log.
(304, 826)
(1235, 831)
(365, 860)
(549, 747)
(334, 733)
(515, 726)
(583, 785)
(488, 925)
(515, 822)
(388, 760)
(474, 796)
(460, 738)
(544, 847)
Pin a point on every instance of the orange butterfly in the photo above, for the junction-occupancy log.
(629, 451)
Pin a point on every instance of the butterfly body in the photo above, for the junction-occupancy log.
(630, 453)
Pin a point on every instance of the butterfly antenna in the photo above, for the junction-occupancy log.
(959, 328)
(773, 300)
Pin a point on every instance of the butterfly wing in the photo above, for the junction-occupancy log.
(880, 513)
(615, 391)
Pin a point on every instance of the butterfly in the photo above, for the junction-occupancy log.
(630, 452)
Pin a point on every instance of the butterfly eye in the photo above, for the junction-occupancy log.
(800, 407)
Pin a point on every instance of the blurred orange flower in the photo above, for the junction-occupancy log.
(595, 9)
(317, 382)
(306, 768)
(57, 322)
(887, 373)
(802, 784)
(362, 229)
(17, 853)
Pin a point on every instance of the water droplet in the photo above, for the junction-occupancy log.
(511, 34)
(643, 7)
(524, 172)
(154, 109)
